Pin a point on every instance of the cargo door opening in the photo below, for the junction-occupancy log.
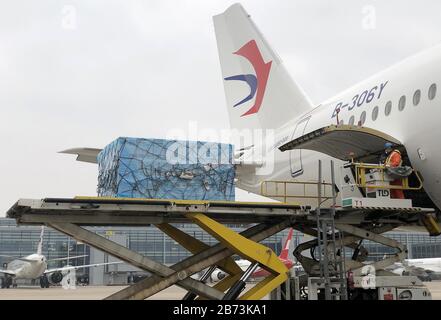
(356, 144)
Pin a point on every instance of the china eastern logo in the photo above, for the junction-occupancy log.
(257, 82)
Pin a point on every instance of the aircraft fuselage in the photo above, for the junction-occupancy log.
(401, 101)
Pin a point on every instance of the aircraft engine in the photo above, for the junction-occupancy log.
(56, 277)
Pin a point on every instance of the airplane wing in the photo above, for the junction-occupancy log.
(8, 272)
(84, 154)
(418, 270)
(9, 257)
(17, 258)
(67, 258)
(68, 268)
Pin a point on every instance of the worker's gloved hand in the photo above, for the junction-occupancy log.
(399, 172)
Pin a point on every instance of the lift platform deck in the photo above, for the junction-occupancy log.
(92, 211)
(98, 211)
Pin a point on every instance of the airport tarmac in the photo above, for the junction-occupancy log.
(79, 293)
(100, 292)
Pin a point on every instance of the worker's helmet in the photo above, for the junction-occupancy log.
(388, 145)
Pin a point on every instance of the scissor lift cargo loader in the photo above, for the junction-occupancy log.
(355, 221)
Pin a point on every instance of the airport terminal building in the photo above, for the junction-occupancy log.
(149, 241)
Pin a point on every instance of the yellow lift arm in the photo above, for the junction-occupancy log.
(249, 249)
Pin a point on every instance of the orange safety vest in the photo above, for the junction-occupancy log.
(394, 159)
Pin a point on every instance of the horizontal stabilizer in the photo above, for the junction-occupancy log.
(248, 163)
(84, 154)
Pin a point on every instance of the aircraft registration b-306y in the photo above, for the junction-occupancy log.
(399, 105)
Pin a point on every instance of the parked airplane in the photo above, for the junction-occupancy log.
(218, 275)
(423, 268)
(399, 105)
(34, 266)
(431, 264)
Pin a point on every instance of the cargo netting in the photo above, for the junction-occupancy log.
(166, 169)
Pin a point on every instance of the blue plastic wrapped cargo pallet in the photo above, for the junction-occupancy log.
(166, 169)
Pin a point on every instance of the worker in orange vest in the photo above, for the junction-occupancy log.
(394, 160)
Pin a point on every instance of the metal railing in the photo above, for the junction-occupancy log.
(361, 169)
(280, 189)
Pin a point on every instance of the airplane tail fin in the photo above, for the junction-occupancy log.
(259, 92)
(285, 251)
(40, 243)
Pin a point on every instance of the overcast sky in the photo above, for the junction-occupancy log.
(82, 73)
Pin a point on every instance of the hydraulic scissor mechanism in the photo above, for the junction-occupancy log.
(217, 256)
(70, 216)
(191, 295)
(255, 252)
(239, 286)
(236, 280)
(351, 237)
